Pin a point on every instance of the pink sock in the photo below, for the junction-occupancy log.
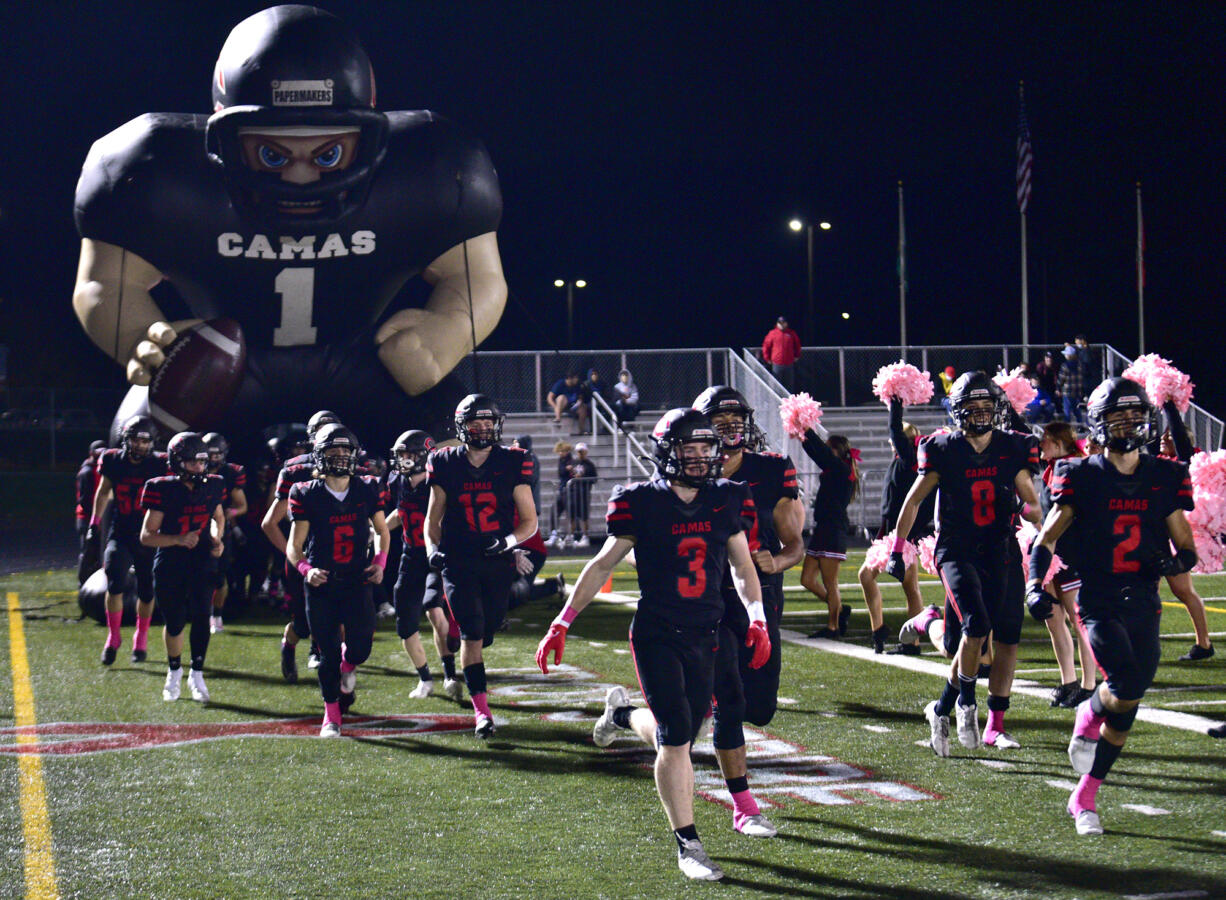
(1087, 724)
(996, 720)
(113, 620)
(344, 649)
(744, 805)
(140, 640)
(332, 712)
(1084, 797)
(481, 705)
(347, 667)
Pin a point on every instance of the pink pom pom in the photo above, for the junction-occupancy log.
(903, 381)
(1210, 554)
(926, 550)
(1017, 388)
(878, 553)
(1025, 537)
(799, 413)
(1208, 474)
(1161, 380)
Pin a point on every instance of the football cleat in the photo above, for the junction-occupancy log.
(1087, 821)
(216, 625)
(844, 618)
(349, 681)
(968, 725)
(1217, 731)
(330, 730)
(828, 634)
(386, 610)
(108, 654)
(139, 656)
(754, 826)
(1061, 694)
(195, 683)
(552, 540)
(904, 650)
(939, 727)
(313, 657)
(561, 576)
(605, 731)
(916, 627)
(694, 863)
(170, 690)
(484, 727)
(1197, 653)
(289, 664)
(583, 543)
(424, 689)
(879, 636)
(1001, 740)
(454, 689)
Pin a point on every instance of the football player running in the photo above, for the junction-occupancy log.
(235, 504)
(185, 526)
(337, 512)
(477, 490)
(981, 470)
(683, 526)
(1128, 508)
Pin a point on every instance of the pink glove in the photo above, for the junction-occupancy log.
(760, 641)
(555, 640)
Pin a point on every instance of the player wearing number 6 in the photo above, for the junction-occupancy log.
(185, 523)
(981, 471)
(1128, 508)
(683, 526)
(298, 211)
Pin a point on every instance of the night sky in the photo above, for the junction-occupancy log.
(658, 150)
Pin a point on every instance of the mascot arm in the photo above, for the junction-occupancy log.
(113, 302)
(420, 346)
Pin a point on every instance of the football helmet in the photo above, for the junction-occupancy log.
(138, 428)
(409, 452)
(294, 66)
(679, 427)
(185, 447)
(723, 399)
(332, 436)
(471, 408)
(965, 404)
(293, 444)
(1137, 423)
(219, 449)
(319, 420)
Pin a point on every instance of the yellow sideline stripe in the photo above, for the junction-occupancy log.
(1177, 605)
(36, 822)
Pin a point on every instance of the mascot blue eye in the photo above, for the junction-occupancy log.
(330, 158)
(271, 158)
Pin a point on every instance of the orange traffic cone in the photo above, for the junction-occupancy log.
(608, 586)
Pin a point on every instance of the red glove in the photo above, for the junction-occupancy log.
(760, 641)
(555, 640)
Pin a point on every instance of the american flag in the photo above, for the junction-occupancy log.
(1024, 158)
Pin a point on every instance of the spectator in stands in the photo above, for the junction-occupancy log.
(1042, 408)
(578, 495)
(524, 442)
(948, 376)
(1084, 360)
(595, 386)
(1070, 387)
(626, 397)
(566, 399)
(1047, 370)
(562, 448)
(780, 350)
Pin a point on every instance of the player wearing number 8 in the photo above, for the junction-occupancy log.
(185, 523)
(331, 518)
(476, 490)
(1128, 508)
(980, 469)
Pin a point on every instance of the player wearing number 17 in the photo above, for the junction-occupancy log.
(1128, 508)
(683, 526)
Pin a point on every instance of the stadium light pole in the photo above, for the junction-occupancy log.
(570, 306)
(807, 227)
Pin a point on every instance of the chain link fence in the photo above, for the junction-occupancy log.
(50, 428)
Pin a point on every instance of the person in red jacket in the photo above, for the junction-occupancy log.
(780, 350)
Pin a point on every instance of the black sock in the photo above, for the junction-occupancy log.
(175, 662)
(1105, 755)
(948, 696)
(685, 833)
(621, 716)
(474, 677)
(736, 785)
(449, 667)
(998, 703)
(198, 663)
(217, 610)
(423, 672)
(966, 689)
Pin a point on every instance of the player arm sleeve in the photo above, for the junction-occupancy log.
(619, 518)
(1179, 431)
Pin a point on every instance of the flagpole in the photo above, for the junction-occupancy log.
(902, 273)
(1024, 163)
(1025, 295)
(1140, 276)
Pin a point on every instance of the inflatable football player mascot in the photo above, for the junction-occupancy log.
(293, 214)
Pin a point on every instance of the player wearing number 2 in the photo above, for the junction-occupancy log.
(1126, 508)
(298, 210)
(476, 490)
(979, 469)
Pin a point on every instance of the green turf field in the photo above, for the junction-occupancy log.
(151, 799)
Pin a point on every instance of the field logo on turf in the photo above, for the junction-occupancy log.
(79, 738)
(779, 770)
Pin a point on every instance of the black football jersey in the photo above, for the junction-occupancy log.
(412, 503)
(1121, 521)
(292, 475)
(235, 478)
(340, 529)
(184, 507)
(128, 480)
(769, 477)
(87, 486)
(480, 504)
(680, 549)
(434, 189)
(977, 500)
